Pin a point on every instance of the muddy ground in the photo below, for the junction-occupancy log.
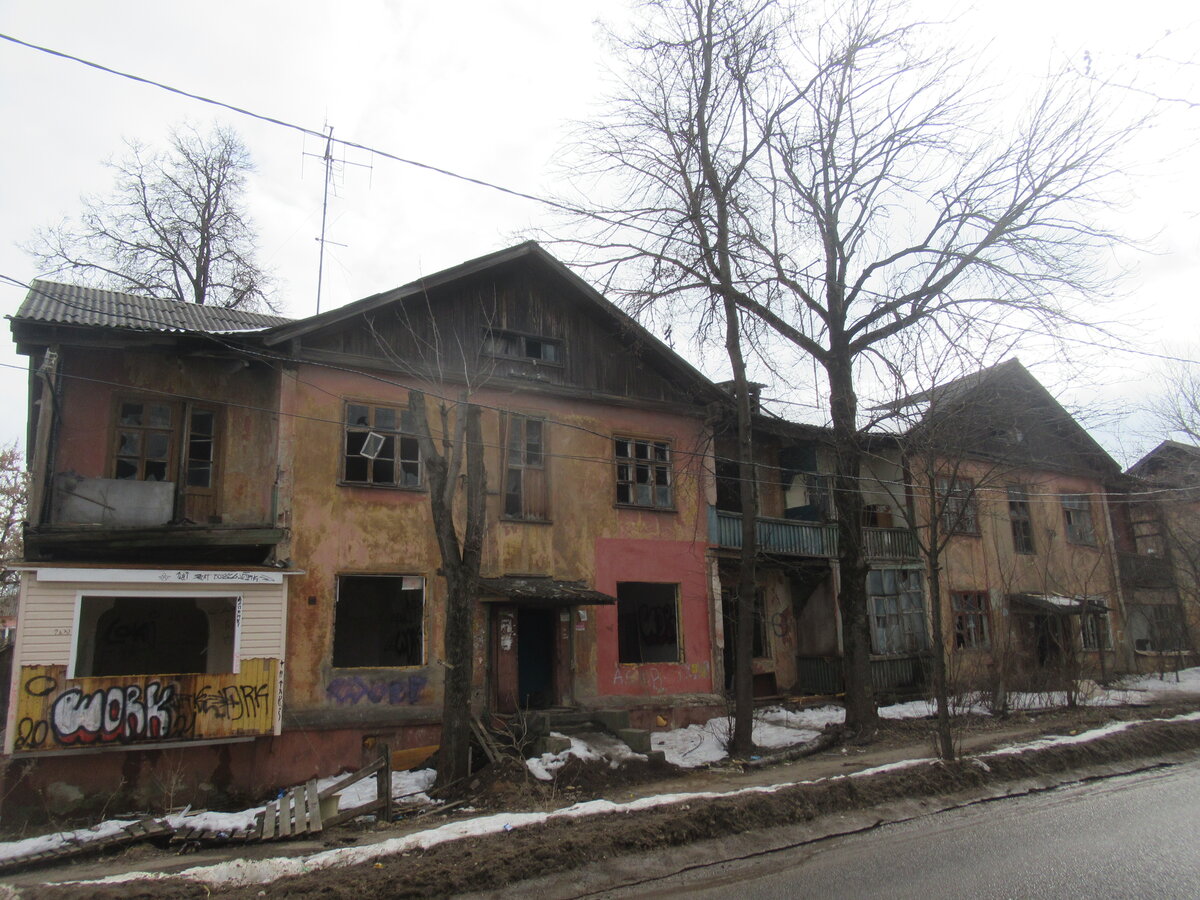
(489, 862)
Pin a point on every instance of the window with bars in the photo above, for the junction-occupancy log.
(971, 622)
(525, 487)
(1020, 519)
(897, 611)
(644, 473)
(1077, 515)
(959, 512)
(381, 447)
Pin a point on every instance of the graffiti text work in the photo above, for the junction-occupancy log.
(57, 712)
(351, 690)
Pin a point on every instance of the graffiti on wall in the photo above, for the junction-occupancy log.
(55, 713)
(353, 689)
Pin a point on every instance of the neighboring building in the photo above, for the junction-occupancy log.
(230, 550)
(1158, 540)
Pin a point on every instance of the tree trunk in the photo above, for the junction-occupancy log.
(743, 650)
(460, 566)
(862, 715)
(941, 695)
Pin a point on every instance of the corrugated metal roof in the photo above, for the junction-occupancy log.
(69, 304)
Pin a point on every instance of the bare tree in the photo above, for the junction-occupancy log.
(848, 185)
(1176, 410)
(14, 481)
(173, 227)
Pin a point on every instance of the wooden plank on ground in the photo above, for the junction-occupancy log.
(134, 832)
(313, 804)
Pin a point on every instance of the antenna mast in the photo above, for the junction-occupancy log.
(328, 163)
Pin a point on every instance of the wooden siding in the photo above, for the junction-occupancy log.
(598, 355)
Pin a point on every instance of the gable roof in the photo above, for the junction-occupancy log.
(530, 252)
(53, 303)
(1002, 411)
(1171, 463)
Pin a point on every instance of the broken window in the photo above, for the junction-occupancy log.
(512, 345)
(1077, 513)
(971, 630)
(957, 496)
(379, 621)
(1021, 519)
(647, 622)
(643, 473)
(525, 490)
(147, 433)
(897, 611)
(381, 447)
(155, 635)
(1094, 631)
(1156, 628)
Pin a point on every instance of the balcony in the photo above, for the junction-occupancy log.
(889, 543)
(783, 536)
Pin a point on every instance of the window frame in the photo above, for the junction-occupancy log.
(1095, 631)
(181, 439)
(511, 423)
(422, 629)
(904, 618)
(398, 435)
(959, 511)
(623, 625)
(1078, 504)
(493, 336)
(652, 463)
(1020, 519)
(972, 620)
(171, 430)
(1149, 613)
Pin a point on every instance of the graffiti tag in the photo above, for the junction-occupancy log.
(352, 690)
(121, 713)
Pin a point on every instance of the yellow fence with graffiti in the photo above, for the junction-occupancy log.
(54, 712)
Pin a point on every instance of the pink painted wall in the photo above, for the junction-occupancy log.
(675, 562)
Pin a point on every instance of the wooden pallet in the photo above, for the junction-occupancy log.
(141, 830)
(296, 813)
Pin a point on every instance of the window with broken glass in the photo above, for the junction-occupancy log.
(147, 434)
(971, 631)
(644, 473)
(959, 514)
(1077, 515)
(379, 621)
(525, 488)
(514, 345)
(1021, 519)
(897, 611)
(381, 447)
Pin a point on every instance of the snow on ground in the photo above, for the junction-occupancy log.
(1184, 680)
(54, 841)
(243, 872)
(543, 767)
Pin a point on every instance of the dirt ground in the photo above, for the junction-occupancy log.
(488, 862)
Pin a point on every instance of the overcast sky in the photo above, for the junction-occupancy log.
(489, 89)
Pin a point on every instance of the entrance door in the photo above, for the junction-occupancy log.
(535, 658)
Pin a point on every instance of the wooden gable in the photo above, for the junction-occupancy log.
(518, 323)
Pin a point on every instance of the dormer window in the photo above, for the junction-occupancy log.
(513, 345)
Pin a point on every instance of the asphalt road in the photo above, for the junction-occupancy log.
(1127, 837)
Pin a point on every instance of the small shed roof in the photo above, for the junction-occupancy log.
(542, 591)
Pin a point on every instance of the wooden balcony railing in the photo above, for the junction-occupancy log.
(783, 536)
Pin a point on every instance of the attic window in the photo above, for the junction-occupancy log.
(512, 345)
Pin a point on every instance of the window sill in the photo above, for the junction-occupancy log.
(514, 520)
(411, 489)
(651, 509)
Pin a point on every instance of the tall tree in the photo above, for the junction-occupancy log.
(174, 226)
(14, 481)
(864, 186)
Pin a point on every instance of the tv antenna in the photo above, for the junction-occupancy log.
(332, 166)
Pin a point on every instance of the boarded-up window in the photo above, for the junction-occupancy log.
(379, 621)
(147, 635)
(381, 447)
(525, 489)
(647, 622)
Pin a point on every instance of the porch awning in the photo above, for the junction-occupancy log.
(545, 592)
(1059, 605)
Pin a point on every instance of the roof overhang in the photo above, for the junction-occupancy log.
(540, 591)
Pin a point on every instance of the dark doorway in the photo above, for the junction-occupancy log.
(535, 658)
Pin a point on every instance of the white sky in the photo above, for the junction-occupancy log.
(489, 88)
